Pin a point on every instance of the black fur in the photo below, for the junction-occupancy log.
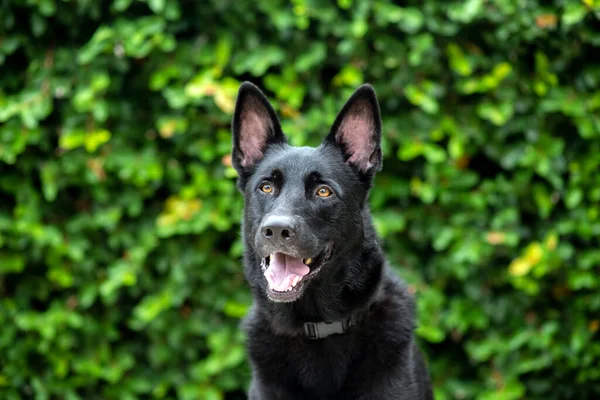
(378, 357)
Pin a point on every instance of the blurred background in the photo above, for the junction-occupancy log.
(120, 273)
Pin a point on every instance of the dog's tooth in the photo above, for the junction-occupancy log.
(308, 261)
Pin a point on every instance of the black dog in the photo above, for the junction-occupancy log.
(330, 320)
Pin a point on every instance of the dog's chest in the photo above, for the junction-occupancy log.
(311, 366)
(321, 364)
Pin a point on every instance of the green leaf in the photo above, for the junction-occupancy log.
(11, 263)
(458, 61)
(95, 139)
(574, 12)
(49, 175)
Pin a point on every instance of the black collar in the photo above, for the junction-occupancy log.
(320, 330)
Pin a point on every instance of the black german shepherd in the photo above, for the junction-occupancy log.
(330, 320)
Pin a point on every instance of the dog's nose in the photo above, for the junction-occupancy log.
(278, 228)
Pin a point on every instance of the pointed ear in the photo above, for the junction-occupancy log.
(357, 131)
(255, 127)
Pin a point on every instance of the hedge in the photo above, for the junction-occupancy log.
(120, 274)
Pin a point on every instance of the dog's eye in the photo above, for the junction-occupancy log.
(324, 191)
(266, 187)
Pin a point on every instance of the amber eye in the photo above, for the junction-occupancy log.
(266, 187)
(324, 191)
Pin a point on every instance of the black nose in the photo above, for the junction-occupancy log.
(278, 228)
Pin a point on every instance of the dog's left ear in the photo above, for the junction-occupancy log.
(357, 131)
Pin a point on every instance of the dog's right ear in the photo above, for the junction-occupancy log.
(255, 127)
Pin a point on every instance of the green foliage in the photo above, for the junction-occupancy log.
(119, 247)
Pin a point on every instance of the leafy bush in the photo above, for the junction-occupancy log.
(119, 245)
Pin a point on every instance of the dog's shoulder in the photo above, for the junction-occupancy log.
(391, 315)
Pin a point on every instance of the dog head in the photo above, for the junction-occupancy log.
(303, 205)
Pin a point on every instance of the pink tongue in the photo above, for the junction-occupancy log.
(283, 270)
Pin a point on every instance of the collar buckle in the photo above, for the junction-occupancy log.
(319, 330)
(311, 330)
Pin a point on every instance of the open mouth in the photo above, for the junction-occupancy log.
(286, 275)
